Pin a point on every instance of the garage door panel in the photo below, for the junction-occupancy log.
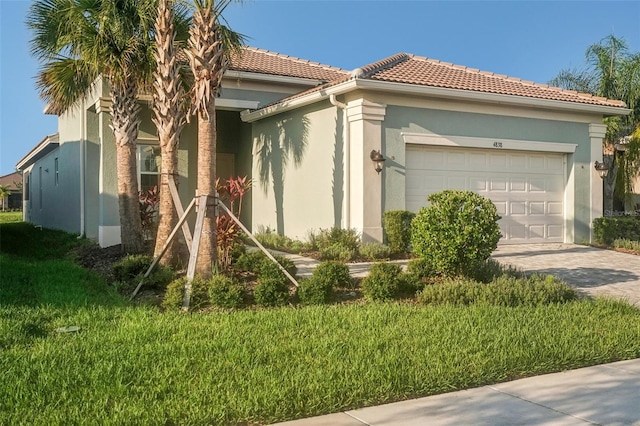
(526, 188)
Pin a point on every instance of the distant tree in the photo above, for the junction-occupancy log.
(4, 193)
(613, 72)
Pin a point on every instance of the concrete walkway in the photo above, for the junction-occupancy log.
(602, 395)
(594, 271)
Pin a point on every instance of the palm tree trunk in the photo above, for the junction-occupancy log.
(125, 120)
(207, 254)
(169, 119)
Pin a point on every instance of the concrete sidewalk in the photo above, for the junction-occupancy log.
(601, 395)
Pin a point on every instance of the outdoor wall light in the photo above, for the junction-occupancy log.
(378, 160)
(601, 168)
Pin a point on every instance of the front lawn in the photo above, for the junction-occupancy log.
(133, 364)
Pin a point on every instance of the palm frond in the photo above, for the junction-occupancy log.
(63, 81)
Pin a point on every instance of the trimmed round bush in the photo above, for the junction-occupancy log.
(174, 296)
(456, 232)
(333, 273)
(271, 291)
(315, 291)
(225, 292)
(383, 282)
(129, 267)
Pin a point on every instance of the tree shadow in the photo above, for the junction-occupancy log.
(279, 143)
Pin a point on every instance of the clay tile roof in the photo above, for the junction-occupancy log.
(422, 71)
(265, 62)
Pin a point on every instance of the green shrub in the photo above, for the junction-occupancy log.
(337, 243)
(608, 229)
(315, 291)
(504, 291)
(267, 268)
(397, 228)
(271, 291)
(383, 282)
(456, 232)
(255, 261)
(338, 252)
(334, 274)
(129, 267)
(627, 245)
(225, 292)
(491, 269)
(249, 261)
(174, 295)
(375, 251)
(271, 239)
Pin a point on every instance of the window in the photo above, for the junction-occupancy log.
(148, 166)
(27, 186)
(57, 175)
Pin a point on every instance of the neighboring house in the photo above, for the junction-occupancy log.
(305, 132)
(13, 183)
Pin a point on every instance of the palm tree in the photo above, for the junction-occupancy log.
(169, 115)
(614, 73)
(210, 47)
(4, 193)
(79, 40)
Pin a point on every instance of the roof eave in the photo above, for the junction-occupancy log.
(272, 78)
(297, 102)
(45, 146)
(476, 96)
(441, 92)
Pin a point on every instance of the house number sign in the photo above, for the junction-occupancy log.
(497, 144)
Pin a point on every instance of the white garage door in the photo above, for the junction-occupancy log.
(526, 187)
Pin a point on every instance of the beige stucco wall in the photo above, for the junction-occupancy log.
(298, 171)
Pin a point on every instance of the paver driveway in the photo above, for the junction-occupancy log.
(590, 270)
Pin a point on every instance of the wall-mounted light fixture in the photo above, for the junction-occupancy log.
(378, 160)
(601, 168)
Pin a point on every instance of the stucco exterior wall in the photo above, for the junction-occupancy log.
(298, 171)
(457, 123)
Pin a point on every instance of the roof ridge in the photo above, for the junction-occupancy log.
(294, 58)
(505, 77)
(381, 65)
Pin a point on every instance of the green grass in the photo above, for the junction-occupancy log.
(8, 217)
(133, 364)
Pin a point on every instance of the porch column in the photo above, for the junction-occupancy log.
(108, 210)
(597, 133)
(365, 129)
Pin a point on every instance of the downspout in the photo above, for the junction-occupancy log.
(83, 155)
(347, 161)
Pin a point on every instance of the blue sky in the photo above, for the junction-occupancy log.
(532, 40)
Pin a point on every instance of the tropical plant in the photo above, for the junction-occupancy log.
(169, 114)
(78, 41)
(209, 51)
(228, 231)
(4, 193)
(613, 72)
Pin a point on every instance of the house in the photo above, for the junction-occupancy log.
(306, 133)
(13, 183)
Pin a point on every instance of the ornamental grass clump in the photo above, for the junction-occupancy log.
(337, 244)
(375, 251)
(456, 232)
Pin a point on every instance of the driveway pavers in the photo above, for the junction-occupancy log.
(596, 272)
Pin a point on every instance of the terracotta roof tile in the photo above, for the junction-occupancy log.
(422, 71)
(265, 62)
